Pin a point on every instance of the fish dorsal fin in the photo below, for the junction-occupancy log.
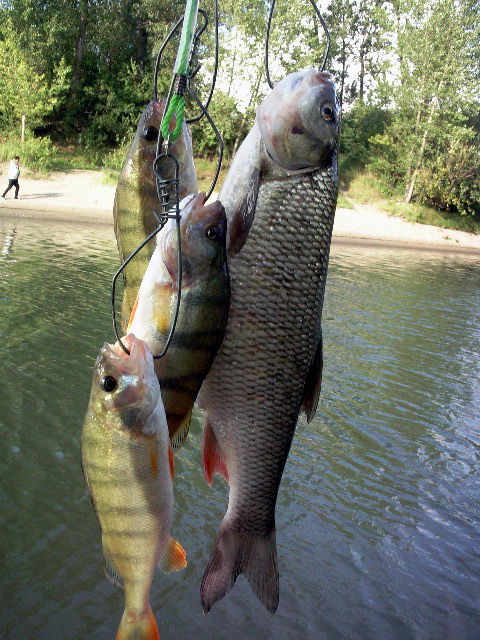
(171, 461)
(213, 458)
(243, 216)
(313, 383)
(174, 557)
(110, 570)
(178, 437)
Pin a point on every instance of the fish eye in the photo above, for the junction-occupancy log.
(212, 233)
(109, 383)
(328, 113)
(150, 133)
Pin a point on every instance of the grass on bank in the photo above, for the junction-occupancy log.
(39, 156)
(365, 188)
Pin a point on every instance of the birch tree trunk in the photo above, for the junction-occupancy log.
(421, 151)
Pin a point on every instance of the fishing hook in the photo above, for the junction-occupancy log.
(168, 189)
(162, 220)
(267, 38)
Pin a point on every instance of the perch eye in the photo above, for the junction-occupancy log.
(150, 133)
(109, 383)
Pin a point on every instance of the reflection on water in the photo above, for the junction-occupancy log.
(378, 527)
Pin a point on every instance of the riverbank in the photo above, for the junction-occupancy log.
(81, 196)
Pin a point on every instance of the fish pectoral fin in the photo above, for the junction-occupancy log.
(243, 216)
(178, 437)
(313, 383)
(174, 557)
(213, 458)
(110, 570)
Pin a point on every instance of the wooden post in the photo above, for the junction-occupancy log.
(23, 128)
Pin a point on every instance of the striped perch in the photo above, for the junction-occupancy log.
(203, 314)
(136, 196)
(128, 464)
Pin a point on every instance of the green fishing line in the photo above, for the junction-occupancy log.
(177, 102)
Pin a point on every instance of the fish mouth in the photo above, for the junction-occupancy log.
(113, 358)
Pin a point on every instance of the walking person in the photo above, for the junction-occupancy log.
(13, 173)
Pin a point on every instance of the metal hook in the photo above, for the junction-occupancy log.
(215, 69)
(170, 187)
(219, 138)
(159, 56)
(267, 38)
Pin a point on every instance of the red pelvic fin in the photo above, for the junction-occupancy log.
(213, 458)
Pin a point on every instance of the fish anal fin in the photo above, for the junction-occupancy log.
(243, 215)
(237, 552)
(313, 383)
(110, 570)
(174, 557)
(179, 428)
(213, 458)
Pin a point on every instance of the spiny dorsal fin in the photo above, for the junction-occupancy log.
(174, 557)
(178, 438)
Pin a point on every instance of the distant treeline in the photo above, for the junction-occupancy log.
(407, 71)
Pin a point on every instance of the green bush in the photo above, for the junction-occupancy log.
(36, 154)
(359, 126)
(113, 162)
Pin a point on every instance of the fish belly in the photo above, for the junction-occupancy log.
(253, 392)
(133, 506)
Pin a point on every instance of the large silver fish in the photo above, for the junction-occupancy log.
(280, 196)
(136, 196)
(128, 465)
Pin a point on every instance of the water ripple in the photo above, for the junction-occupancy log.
(378, 511)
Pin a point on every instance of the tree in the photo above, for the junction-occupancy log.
(25, 92)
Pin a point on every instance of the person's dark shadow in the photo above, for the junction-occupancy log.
(32, 196)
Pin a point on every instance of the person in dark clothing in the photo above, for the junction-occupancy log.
(13, 173)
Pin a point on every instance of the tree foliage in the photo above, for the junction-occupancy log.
(407, 71)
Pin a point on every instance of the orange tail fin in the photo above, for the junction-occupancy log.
(144, 629)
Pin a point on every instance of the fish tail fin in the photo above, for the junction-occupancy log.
(237, 552)
(140, 629)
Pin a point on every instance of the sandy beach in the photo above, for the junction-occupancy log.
(80, 196)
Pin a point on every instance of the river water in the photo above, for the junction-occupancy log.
(378, 513)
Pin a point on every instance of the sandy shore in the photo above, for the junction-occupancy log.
(80, 196)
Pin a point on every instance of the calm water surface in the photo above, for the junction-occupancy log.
(378, 513)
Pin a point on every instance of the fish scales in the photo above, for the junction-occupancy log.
(294, 220)
(127, 462)
(280, 196)
(125, 493)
